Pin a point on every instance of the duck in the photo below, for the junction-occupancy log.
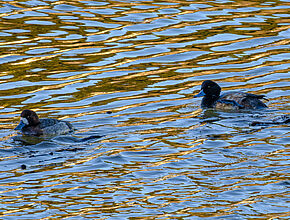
(212, 98)
(31, 125)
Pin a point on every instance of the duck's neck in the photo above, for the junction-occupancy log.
(209, 101)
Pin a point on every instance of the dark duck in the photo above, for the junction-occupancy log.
(30, 124)
(229, 100)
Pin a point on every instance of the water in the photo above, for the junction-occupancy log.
(127, 71)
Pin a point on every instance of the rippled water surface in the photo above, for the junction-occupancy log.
(127, 71)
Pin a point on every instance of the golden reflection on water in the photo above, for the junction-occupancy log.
(128, 71)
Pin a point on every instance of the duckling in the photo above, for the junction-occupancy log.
(229, 100)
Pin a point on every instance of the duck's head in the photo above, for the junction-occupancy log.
(27, 118)
(209, 89)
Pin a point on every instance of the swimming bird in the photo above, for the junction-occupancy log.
(30, 124)
(229, 100)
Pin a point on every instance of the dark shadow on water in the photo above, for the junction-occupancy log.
(265, 117)
(283, 119)
(226, 124)
(33, 140)
(38, 152)
(70, 139)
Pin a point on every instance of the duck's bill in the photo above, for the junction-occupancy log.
(200, 94)
(20, 126)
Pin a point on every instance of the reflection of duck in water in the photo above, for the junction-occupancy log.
(229, 100)
(30, 124)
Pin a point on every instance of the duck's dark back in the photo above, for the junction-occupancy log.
(248, 100)
(47, 122)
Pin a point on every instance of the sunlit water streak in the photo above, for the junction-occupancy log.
(127, 71)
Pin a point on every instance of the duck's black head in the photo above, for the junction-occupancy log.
(209, 89)
(28, 118)
(211, 92)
